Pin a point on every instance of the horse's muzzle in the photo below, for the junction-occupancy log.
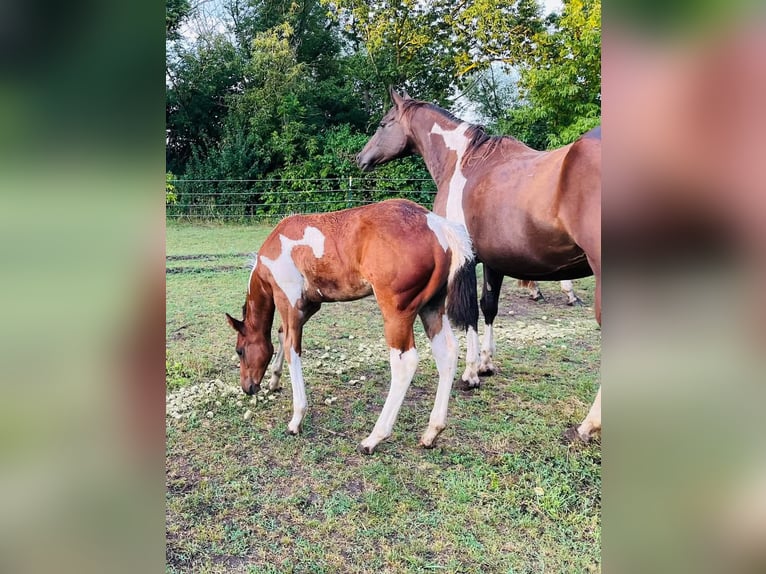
(250, 387)
(363, 164)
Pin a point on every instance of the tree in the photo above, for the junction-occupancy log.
(406, 43)
(560, 82)
(200, 80)
(175, 13)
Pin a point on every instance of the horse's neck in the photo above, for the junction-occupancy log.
(442, 142)
(260, 308)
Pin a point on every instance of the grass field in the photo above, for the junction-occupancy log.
(500, 492)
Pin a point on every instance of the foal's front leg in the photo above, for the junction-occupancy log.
(300, 403)
(293, 319)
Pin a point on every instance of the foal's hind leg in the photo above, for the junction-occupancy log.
(444, 348)
(404, 360)
(490, 295)
(279, 360)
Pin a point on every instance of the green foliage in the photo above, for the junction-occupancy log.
(176, 12)
(170, 190)
(402, 43)
(560, 85)
(490, 31)
(201, 79)
(266, 113)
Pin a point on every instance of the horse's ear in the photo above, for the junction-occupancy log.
(236, 324)
(405, 95)
(395, 97)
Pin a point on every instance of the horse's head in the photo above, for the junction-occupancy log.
(254, 349)
(391, 140)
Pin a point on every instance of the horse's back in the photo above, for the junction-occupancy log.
(342, 255)
(595, 133)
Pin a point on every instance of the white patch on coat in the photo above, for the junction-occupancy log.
(253, 265)
(435, 224)
(300, 403)
(458, 142)
(454, 236)
(286, 274)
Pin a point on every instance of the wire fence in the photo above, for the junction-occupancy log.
(257, 199)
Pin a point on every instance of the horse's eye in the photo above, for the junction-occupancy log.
(240, 351)
(382, 124)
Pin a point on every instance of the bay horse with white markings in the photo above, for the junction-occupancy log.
(412, 260)
(533, 215)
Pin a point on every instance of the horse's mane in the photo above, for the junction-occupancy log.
(478, 138)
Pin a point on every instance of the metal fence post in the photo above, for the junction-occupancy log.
(348, 192)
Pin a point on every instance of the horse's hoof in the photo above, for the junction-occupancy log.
(575, 303)
(464, 385)
(366, 450)
(487, 371)
(571, 436)
(293, 432)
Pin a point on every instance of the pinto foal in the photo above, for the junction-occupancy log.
(412, 260)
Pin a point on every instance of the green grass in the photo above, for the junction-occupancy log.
(500, 492)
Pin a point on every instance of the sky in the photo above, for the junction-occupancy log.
(552, 6)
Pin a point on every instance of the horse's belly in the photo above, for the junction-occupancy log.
(540, 262)
(336, 289)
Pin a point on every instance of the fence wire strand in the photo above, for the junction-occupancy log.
(247, 199)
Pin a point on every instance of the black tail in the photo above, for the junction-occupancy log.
(462, 298)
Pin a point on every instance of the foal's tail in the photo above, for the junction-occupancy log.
(462, 300)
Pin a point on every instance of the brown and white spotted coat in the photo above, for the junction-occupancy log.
(411, 260)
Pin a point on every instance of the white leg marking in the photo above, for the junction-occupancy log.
(471, 374)
(444, 349)
(487, 351)
(300, 404)
(276, 370)
(568, 288)
(286, 274)
(458, 142)
(403, 365)
(592, 422)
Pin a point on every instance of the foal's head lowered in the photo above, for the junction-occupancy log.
(254, 349)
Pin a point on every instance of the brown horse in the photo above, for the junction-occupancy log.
(531, 215)
(411, 260)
